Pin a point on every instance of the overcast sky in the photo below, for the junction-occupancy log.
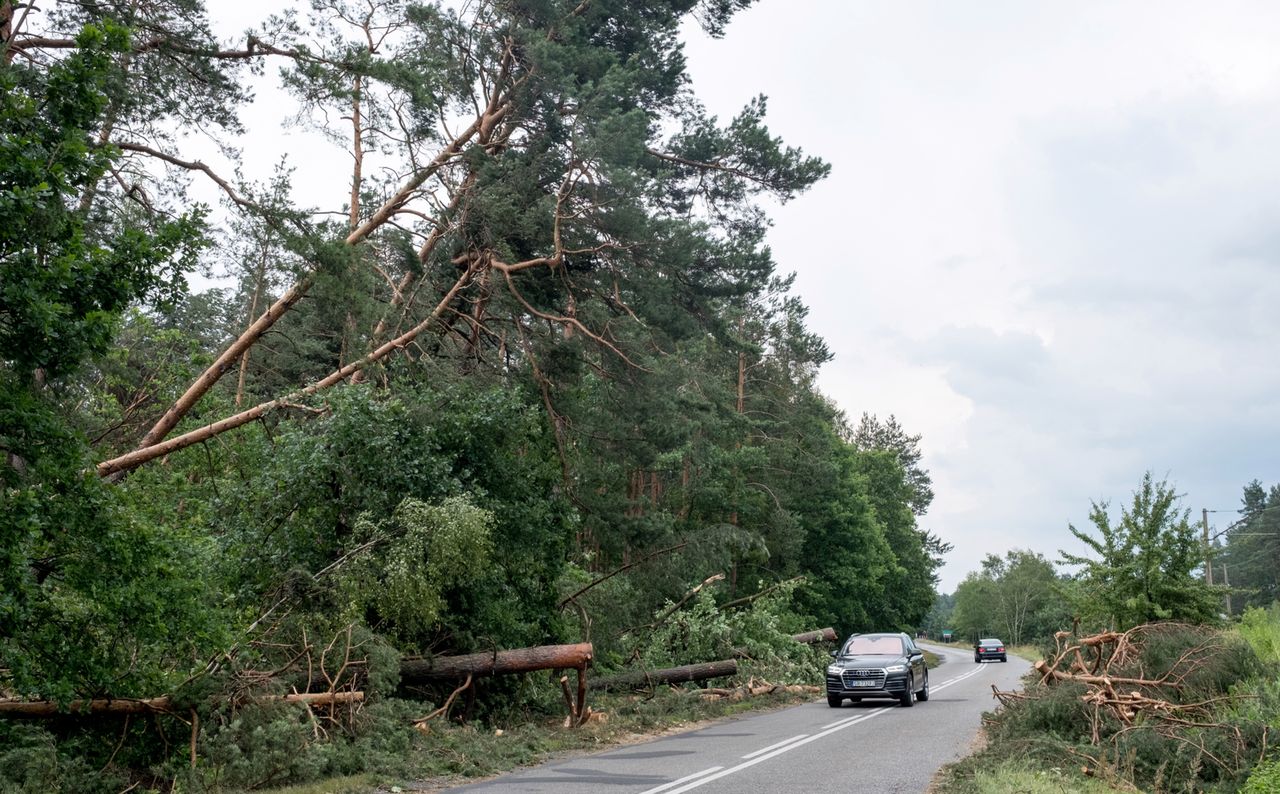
(1049, 242)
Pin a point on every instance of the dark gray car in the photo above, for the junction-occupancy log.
(989, 649)
(877, 666)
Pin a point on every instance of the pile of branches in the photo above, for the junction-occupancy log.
(755, 687)
(1125, 691)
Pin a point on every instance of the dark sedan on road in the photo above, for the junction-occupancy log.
(989, 649)
(877, 666)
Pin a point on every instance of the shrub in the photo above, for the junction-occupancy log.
(1261, 629)
(1265, 779)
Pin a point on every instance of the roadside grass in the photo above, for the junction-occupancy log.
(1031, 653)
(1022, 777)
(451, 754)
(931, 659)
(354, 784)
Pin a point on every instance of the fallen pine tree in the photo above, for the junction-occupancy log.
(490, 663)
(644, 679)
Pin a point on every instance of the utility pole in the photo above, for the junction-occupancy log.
(1208, 564)
(1227, 585)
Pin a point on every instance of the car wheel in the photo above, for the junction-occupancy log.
(834, 701)
(1004, 658)
(923, 694)
(977, 659)
(908, 698)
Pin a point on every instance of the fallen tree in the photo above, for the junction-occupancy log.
(821, 635)
(519, 660)
(807, 638)
(645, 679)
(490, 663)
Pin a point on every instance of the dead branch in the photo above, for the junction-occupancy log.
(748, 599)
(420, 724)
(658, 621)
(670, 549)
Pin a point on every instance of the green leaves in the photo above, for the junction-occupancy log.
(419, 554)
(63, 277)
(1143, 564)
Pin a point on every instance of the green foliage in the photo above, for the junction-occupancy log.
(32, 761)
(1016, 598)
(889, 436)
(700, 632)
(1143, 565)
(426, 549)
(759, 632)
(1052, 727)
(1252, 551)
(1261, 628)
(64, 280)
(1264, 779)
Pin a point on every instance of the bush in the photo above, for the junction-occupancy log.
(1053, 727)
(1264, 780)
(1261, 629)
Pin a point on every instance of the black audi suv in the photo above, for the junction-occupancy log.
(877, 666)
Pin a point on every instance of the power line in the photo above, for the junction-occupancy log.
(1236, 523)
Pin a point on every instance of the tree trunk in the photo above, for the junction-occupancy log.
(672, 675)
(519, 660)
(821, 635)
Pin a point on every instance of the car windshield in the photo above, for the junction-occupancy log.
(888, 646)
(992, 643)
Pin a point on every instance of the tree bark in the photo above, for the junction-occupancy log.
(821, 635)
(519, 660)
(671, 675)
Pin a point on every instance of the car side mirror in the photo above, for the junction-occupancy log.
(834, 654)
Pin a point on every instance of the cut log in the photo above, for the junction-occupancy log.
(671, 675)
(163, 704)
(821, 635)
(519, 660)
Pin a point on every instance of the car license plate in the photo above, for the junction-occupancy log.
(864, 682)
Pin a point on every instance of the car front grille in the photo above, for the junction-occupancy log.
(851, 678)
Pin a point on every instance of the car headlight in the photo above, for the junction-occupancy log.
(896, 668)
(834, 669)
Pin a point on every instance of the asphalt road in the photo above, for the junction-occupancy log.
(870, 746)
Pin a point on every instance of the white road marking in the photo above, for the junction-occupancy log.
(775, 746)
(684, 779)
(844, 724)
(766, 754)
